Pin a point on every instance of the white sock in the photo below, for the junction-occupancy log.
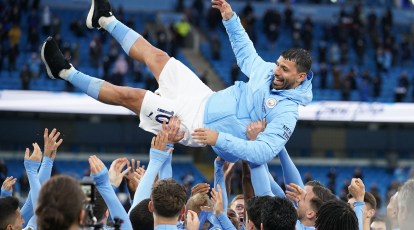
(64, 73)
(104, 21)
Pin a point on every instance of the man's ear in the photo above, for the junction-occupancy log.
(310, 214)
(302, 77)
(150, 207)
(371, 213)
(9, 227)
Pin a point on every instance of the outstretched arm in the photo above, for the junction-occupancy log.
(252, 131)
(260, 180)
(246, 55)
(158, 156)
(51, 144)
(276, 189)
(99, 173)
(174, 136)
(290, 172)
(31, 164)
(220, 208)
(357, 190)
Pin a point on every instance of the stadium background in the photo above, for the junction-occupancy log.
(361, 124)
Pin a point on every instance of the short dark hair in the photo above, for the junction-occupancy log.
(168, 198)
(301, 57)
(368, 199)
(60, 203)
(254, 209)
(140, 216)
(336, 215)
(279, 214)
(8, 211)
(321, 195)
(100, 206)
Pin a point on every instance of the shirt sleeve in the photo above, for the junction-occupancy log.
(27, 209)
(31, 170)
(45, 169)
(166, 168)
(267, 145)
(246, 55)
(260, 180)
(224, 222)
(290, 172)
(359, 212)
(111, 200)
(5, 193)
(157, 159)
(274, 186)
(44, 174)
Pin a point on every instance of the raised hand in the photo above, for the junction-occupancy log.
(115, 171)
(134, 175)
(357, 189)
(295, 193)
(217, 198)
(51, 143)
(95, 164)
(205, 136)
(160, 142)
(224, 7)
(8, 183)
(36, 154)
(173, 129)
(202, 188)
(254, 128)
(193, 223)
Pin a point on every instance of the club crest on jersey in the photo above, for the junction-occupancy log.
(271, 102)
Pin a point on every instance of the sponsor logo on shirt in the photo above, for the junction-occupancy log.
(287, 132)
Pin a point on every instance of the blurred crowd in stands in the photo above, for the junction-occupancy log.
(361, 51)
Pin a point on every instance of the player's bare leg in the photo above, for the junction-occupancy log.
(59, 68)
(100, 16)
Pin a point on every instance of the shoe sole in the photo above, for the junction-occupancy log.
(90, 15)
(42, 55)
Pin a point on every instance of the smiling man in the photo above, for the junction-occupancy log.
(273, 93)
